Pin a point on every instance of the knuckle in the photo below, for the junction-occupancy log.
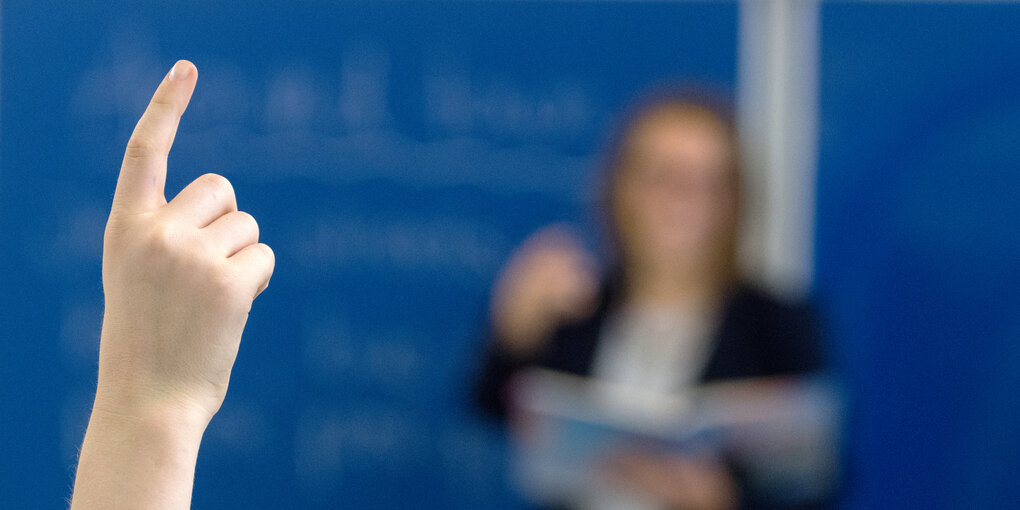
(162, 238)
(217, 184)
(259, 263)
(268, 253)
(141, 146)
(161, 104)
(248, 223)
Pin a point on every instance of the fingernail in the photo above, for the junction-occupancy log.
(178, 71)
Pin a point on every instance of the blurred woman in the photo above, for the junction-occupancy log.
(671, 313)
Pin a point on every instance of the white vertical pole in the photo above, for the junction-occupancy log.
(777, 110)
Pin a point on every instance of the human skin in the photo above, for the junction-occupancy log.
(548, 281)
(179, 278)
(674, 207)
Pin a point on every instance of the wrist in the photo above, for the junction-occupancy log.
(149, 408)
(143, 374)
(138, 453)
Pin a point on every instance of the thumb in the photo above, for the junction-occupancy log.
(143, 172)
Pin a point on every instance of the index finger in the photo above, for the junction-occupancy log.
(143, 172)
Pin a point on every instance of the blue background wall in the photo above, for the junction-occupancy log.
(917, 247)
(394, 154)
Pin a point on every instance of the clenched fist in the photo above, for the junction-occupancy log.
(179, 278)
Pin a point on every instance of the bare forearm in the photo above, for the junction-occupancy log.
(142, 457)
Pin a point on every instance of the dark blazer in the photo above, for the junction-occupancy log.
(758, 335)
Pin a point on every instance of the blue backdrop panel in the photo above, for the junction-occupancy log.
(918, 243)
(393, 152)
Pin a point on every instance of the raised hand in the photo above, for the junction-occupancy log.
(548, 282)
(179, 277)
(179, 280)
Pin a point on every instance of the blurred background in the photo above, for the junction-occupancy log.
(396, 152)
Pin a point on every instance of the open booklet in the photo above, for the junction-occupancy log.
(781, 433)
